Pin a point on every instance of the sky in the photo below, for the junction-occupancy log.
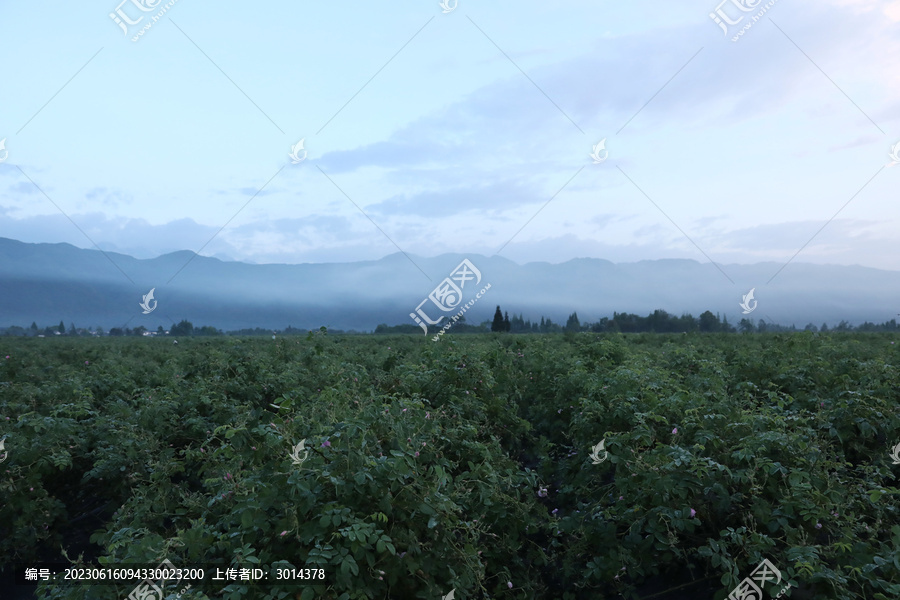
(467, 131)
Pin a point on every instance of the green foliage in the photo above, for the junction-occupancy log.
(461, 465)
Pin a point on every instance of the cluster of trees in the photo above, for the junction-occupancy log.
(290, 330)
(460, 326)
(747, 326)
(182, 328)
(501, 321)
(52, 330)
(518, 324)
(137, 331)
(891, 325)
(659, 321)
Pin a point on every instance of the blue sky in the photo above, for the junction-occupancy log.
(464, 132)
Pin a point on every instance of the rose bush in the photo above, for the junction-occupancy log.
(459, 465)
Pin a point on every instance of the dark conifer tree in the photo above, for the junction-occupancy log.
(497, 324)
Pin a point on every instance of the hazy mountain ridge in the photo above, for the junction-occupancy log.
(49, 282)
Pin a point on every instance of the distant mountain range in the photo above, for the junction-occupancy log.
(47, 283)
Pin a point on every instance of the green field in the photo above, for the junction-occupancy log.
(460, 465)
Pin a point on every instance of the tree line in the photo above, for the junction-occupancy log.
(659, 321)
